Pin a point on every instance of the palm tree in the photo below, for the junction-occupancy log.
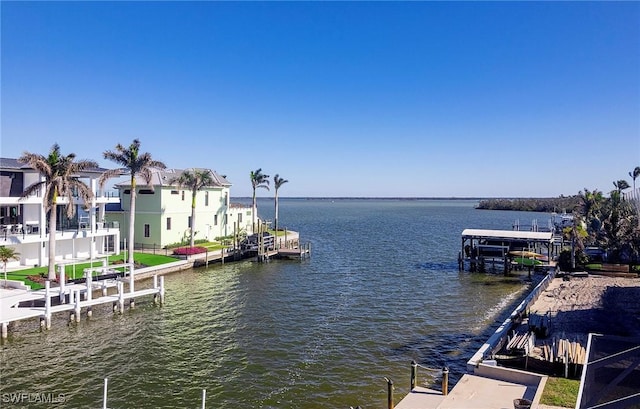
(6, 254)
(277, 183)
(60, 179)
(134, 164)
(634, 175)
(258, 180)
(589, 209)
(621, 185)
(195, 179)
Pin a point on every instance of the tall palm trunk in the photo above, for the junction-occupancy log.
(254, 212)
(276, 211)
(132, 219)
(52, 241)
(193, 217)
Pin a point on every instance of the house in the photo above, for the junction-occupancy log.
(163, 210)
(24, 227)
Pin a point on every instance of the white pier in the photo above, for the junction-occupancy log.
(73, 298)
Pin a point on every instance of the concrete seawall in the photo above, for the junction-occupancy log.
(163, 269)
(499, 337)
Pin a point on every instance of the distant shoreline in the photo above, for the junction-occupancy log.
(388, 198)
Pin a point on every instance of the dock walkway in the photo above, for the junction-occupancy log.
(19, 304)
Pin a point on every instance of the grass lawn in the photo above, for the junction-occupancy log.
(76, 271)
(560, 392)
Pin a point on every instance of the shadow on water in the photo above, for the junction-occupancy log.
(447, 265)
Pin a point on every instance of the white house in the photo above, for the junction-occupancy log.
(163, 210)
(23, 222)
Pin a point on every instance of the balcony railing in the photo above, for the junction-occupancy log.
(25, 230)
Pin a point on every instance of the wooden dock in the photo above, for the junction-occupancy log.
(18, 305)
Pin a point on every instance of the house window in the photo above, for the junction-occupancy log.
(175, 192)
(147, 231)
(127, 191)
(239, 217)
(189, 222)
(215, 219)
(147, 191)
(183, 195)
(168, 223)
(206, 198)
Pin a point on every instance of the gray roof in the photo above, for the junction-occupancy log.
(12, 163)
(162, 177)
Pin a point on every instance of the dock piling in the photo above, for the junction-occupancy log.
(88, 295)
(120, 297)
(131, 279)
(155, 286)
(204, 398)
(62, 285)
(47, 304)
(390, 404)
(77, 305)
(414, 375)
(104, 394)
(161, 290)
(445, 381)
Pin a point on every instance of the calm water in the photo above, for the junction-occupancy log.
(381, 288)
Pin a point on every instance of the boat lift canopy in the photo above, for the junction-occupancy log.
(509, 235)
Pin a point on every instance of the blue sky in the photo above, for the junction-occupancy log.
(410, 99)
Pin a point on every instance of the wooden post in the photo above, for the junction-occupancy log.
(445, 381)
(5, 330)
(414, 375)
(390, 404)
(204, 398)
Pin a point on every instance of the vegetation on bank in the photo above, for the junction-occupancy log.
(607, 224)
(547, 205)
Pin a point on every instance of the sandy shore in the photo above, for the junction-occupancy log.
(599, 304)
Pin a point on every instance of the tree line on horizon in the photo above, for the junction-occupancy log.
(559, 204)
